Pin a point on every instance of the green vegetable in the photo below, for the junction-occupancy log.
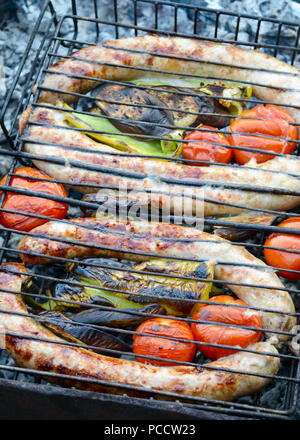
(177, 295)
(85, 295)
(131, 290)
(234, 92)
(62, 295)
(170, 146)
(227, 89)
(119, 142)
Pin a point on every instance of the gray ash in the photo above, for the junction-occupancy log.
(17, 19)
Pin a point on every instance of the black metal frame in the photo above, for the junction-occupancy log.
(51, 45)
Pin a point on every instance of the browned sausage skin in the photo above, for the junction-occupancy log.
(179, 55)
(49, 142)
(124, 60)
(75, 361)
(107, 236)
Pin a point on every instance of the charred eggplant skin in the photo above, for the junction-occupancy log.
(234, 233)
(81, 333)
(117, 317)
(191, 107)
(140, 112)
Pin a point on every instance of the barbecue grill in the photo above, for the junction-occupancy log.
(48, 44)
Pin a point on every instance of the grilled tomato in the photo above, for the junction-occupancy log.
(280, 258)
(275, 122)
(210, 147)
(223, 335)
(33, 205)
(164, 348)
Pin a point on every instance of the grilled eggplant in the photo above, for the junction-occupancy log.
(133, 110)
(80, 332)
(234, 233)
(209, 102)
(117, 317)
(168, 287)
(188, 108)
(113, 202)
(192, 106)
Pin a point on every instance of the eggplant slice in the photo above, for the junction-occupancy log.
(235, 233)
(122, 207)
(128, 104)
(117, 317)
(196, 107)
(179, 99)
(81, 333)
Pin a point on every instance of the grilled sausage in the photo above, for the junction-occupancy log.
(287, 164)
(157, 183)
(180, 55)
(171, 241)
(207, 381)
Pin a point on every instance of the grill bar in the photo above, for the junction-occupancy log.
(221, 282)
(90, 131)
(184, 35)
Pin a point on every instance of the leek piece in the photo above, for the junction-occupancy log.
(119, 142)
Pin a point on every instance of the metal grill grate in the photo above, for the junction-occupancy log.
(52, 46)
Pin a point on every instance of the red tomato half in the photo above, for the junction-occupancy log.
(164, 348)
(275, 123)
(233, 336)
(279, 258)
(207, 150)
(30, 204)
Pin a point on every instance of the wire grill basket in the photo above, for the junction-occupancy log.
(46, 45)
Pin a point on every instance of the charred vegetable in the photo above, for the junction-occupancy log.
(133, 110)
(175, 98)
(169, 289)
(98, 127)
(80, 333)
(237, 233)
(195, 106)
(114, 203)
(117, 317)
(67, 295)
(215, 115)
(229, 95)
